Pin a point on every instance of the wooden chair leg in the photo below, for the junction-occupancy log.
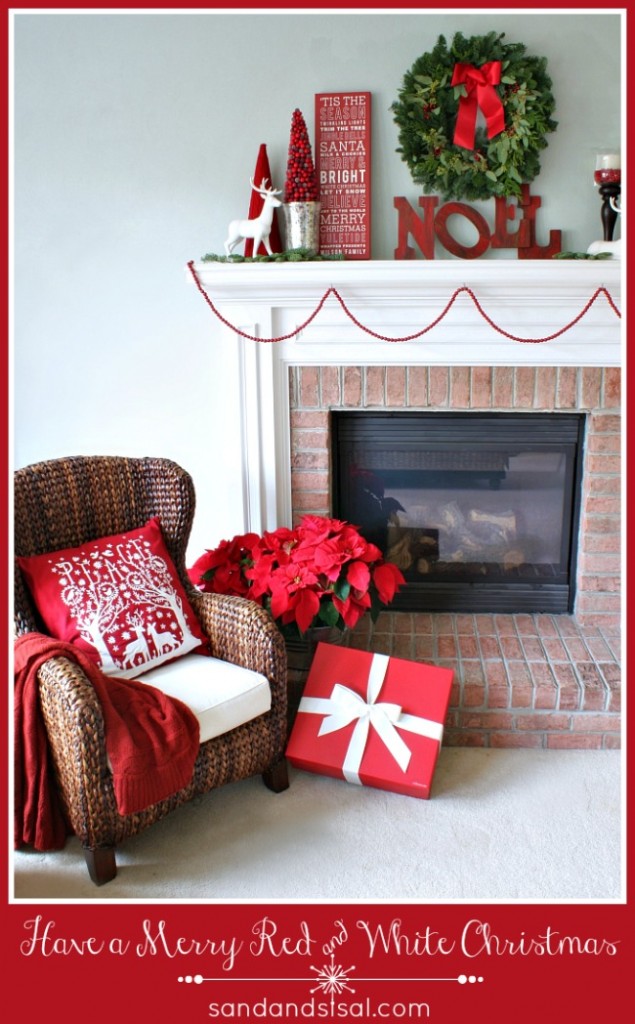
(276, 777)
(101, 864)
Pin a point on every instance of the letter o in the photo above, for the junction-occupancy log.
(450, 243)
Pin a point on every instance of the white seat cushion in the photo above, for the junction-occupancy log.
(221, 695)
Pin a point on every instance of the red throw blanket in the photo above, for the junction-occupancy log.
(152, 742)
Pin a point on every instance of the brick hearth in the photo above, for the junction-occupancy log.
(521, 680)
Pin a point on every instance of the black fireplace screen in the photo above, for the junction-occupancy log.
(479, 511)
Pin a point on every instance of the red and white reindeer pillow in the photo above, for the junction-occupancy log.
(117, 598)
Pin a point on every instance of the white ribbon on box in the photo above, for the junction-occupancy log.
(345, 706)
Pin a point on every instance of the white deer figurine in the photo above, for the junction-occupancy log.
(258, 228)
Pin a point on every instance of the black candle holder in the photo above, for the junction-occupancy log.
(610, 192)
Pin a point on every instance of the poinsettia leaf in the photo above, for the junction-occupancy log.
(279, 603)
(358, 575)
(307, 607)
(342, 589)
(329, 614)
(387, 578)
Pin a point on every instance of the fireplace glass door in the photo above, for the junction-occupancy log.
(479, 511)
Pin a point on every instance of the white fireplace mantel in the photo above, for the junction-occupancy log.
(529, 299)
(526, 298)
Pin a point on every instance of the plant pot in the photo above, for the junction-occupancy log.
(300, 653)
(301, 225)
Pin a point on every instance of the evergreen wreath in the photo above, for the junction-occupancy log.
(427, 109)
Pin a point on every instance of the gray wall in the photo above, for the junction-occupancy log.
(135, 137)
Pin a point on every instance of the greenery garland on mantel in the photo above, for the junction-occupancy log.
(287, 256)
(428, 105)
(310, 256)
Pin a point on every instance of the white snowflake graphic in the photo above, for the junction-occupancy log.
(332, 978)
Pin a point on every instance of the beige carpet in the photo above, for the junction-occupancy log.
(500, 825)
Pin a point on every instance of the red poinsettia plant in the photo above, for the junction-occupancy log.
(322, 573)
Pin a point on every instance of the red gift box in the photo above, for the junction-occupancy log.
(372, 720)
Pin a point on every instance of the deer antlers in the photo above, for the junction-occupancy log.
(263, 190)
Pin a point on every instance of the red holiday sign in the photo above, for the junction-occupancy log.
(342, 127)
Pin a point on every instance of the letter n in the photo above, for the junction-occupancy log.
(421, 228)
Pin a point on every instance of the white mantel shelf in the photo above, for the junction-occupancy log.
(526, 298)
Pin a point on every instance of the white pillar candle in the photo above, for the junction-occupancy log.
(608, 168)
(608, 160)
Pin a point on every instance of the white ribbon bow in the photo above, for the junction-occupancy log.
(345, 706)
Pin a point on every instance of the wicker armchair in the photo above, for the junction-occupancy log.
(65, 502)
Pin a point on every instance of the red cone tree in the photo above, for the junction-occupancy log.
(301, 182)
(256, 203)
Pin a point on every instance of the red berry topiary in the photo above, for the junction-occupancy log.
(301, 182)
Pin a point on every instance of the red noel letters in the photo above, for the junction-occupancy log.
(433, 223)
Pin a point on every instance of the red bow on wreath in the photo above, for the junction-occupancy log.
(479, 83)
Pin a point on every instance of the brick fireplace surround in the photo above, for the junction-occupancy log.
(520, 680)
(525, 680)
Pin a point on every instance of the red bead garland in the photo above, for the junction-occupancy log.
(301, 181)
(418, 334)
